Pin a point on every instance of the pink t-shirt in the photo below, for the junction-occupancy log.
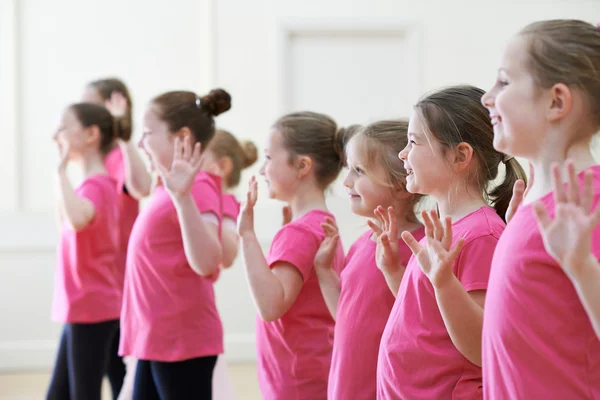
(294, 352)
(169, 311)
(85, 286)
(128, 206)
(538, 342)
(231, 207)
(417, 359)
(363, 310)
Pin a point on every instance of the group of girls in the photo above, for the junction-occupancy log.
(494, 294)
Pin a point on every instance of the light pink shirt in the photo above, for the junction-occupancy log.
(417, 359)
(86, 289)
(538, 342)
(362, 312)
(231, 207)
(294, 352)
(169, 312)
(128, 206)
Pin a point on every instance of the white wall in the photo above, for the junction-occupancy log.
(357, 60)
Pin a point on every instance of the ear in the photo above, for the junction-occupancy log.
(304, 166)
(463, 154)
(225, 165)
(92, 134)
(561, 102)
(183, 132)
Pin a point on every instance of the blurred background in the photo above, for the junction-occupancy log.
(357, 60)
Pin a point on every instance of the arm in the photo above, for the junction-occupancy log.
(77, 211)
(463, 316)
(273, 290)
(138, 180)
(231, 241)
(200, 237)
(329, 281)
(587, 284)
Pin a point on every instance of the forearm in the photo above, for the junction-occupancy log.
(329, 282)
(230, 241)
(78, 212)
(267, 291)
(137, 178)
(200, 238)
(393, 279)
(463, 318)
(587, 285)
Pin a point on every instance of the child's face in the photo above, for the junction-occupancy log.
(157, 142)
(280, 174)
(72, 135)
(516, 105)
(427, 166)
(366, 191)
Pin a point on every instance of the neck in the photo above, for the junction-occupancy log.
(308, 199)
(459, 202)
(92, 164)
(579, 153)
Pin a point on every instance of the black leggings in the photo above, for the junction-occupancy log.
(81, 362)
(189, 379)
(115, 369)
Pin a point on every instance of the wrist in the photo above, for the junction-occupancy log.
(248, 235)
(580, 272)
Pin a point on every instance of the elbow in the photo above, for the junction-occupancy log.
(208, 265)
(269, 315)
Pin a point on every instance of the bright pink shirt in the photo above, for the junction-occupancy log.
(417, 359)
(169, 311)
(538, 342)
(128, 206)
(294, 352)
(231, 207)
(85, 286)
(362, 312)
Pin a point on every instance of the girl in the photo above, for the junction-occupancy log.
(431, 346)
(295, 330)
(125, 166)
(538, 341)
(170, 320)
(87, 294)
(359, 298)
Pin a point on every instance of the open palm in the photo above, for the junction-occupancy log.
(568, 236)
(328, 248)
(438, 255)
(246, 218)
(179, 179)
(387, 254)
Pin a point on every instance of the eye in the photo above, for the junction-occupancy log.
(358, 170)
(502, 82)
(268, 157)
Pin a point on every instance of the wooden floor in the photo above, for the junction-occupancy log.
(32, 386)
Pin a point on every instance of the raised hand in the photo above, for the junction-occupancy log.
(63, 153)
(116, 105)
(246, 218)
(179, 179)
(438, 255)
(519, 193)
(387, 256)
(568, 236)
(328, 249)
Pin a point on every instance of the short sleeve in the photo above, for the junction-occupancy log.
(207, 196)
(296, 245)
(94, 192)
(115, 167)
(474, 263)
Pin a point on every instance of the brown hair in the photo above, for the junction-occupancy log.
(242, 154)
(566, 51)
(89, 115)
(181, 109)
(316, 136)
(105, 88)
(455, 115)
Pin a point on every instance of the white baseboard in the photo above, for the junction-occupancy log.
(31, 355)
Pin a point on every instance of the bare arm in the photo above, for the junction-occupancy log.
(273, 290)
(587, 284)
(463, 316)
(138, 180)
(329, 281)
(231, 241)
(200, 237)
(77, 211)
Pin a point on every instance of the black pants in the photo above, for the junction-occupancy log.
(115, 369)
(182, 380)
(82, 358)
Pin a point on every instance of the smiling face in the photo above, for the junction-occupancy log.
(278, 169)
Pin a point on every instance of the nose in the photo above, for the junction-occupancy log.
(262, 169)
(488, 99)
(348, 181)
(403, 153)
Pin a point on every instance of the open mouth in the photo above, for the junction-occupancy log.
(409, 172)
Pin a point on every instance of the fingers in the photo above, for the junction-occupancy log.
(382, 217)
(393, 225)
(428, 224)
(411, 242)
(587, 198)
(331, 221)
(187, 148)
(385, 241)
(438, 228)
(329, 230)
(541, 215)
(447, 240)
(196, 159)
(455, 251)
(178, 149)
(573, 194)
(375, 228)
(560, 195)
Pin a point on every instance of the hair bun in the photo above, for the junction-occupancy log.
(250, 153)
(216, 102)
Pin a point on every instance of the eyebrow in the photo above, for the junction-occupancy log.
(414, 134)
